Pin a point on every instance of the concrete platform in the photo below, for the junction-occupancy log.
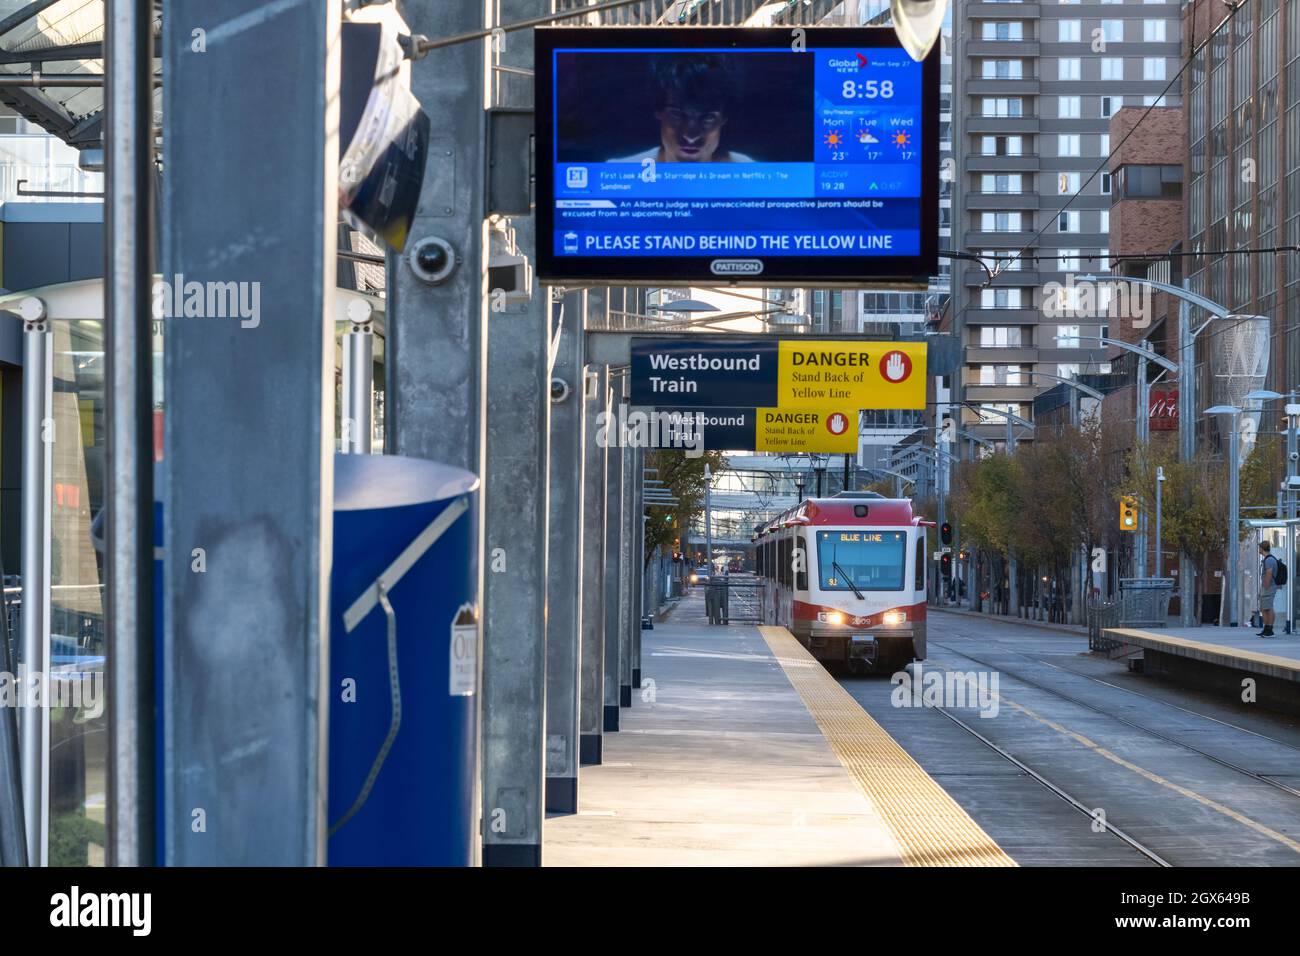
(719, 762)
(1221, 658)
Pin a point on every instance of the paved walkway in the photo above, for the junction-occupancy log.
(719, 762)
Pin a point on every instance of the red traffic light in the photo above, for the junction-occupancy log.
(945, 532)
(945, 565)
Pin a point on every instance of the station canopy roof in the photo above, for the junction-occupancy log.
(66, 37)
(59, 37)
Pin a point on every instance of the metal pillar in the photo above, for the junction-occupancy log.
(248, 531)
(436, 334)
(1289, 504)
(565, 567)
(594, 479)
(708, 519)
(614, 551)
(38, 460)
(13, 833)
(1186, 448)
(1231, 588)
(1159, 504)
(514, 598)
(128, 354)
(638, 563)
(626, 570)
(1142, 419)
(357, 412)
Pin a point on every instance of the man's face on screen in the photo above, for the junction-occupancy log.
(689, 133)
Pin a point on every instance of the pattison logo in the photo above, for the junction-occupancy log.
(736, 267)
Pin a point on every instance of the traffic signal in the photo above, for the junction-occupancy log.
(945, 532)
(1128, 513)
(945, 564)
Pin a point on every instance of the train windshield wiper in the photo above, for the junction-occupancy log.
(835, 565)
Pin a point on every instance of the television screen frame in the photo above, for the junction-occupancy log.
(823, 271)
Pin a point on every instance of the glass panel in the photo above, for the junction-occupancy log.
(872, 560)
(78, 716)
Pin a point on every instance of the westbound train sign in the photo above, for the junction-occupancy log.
(694, 372)
(785, 430)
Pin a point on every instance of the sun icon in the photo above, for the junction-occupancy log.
(833, 139)
(901, 139)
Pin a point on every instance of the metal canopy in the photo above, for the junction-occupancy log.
(58, 37)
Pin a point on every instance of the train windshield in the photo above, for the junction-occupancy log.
(867, 560)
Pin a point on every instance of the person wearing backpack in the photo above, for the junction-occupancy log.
(1272, 574)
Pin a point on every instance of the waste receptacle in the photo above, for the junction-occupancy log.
(402, 732)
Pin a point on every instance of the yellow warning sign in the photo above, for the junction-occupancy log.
(851, 374)
(808, 430)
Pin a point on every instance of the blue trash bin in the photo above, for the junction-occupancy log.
(403, 799)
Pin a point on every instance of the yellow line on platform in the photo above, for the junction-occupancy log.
(930, 827)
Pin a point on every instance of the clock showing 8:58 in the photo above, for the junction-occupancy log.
(867, 90)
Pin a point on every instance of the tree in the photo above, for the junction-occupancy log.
(683, 476)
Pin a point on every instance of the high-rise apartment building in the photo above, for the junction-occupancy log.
(1036, 85)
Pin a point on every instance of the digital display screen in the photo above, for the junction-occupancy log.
(746, 155)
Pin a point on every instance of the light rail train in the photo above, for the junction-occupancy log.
(846, 575)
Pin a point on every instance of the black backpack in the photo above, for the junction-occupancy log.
(1279, 576)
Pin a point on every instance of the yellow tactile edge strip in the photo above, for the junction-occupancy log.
(930, 828)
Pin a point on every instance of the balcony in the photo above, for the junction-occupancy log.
(1001, 11)
(975, 276)
(976, 392)
(978, 46)
(1023, 316)
(1001, 200)
(1017, 239)
(1001, 355)
(991, 123)
(1021, 163)
(990, 86)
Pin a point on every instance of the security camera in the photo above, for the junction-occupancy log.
(432, 260)
(559, 390)
(1293, 482)
(1293, 455)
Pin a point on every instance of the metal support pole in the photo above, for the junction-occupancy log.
(1160, 564)
(594, 479)
(1142, 421)
(627, 572)
(250, 488)
(1231, 588)
(638, 563)
(357, 428)
(614, 549)
(1289, 501)
(13, 833)
(514, 634)
(1186, 448)
(564, 563)
(38, 460)
(128, 354)
(708, 519)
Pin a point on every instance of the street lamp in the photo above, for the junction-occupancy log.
(1234, 470)
(1160, 480)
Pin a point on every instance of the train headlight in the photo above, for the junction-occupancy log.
(893, 618)
(830, 617)
(695, 579)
